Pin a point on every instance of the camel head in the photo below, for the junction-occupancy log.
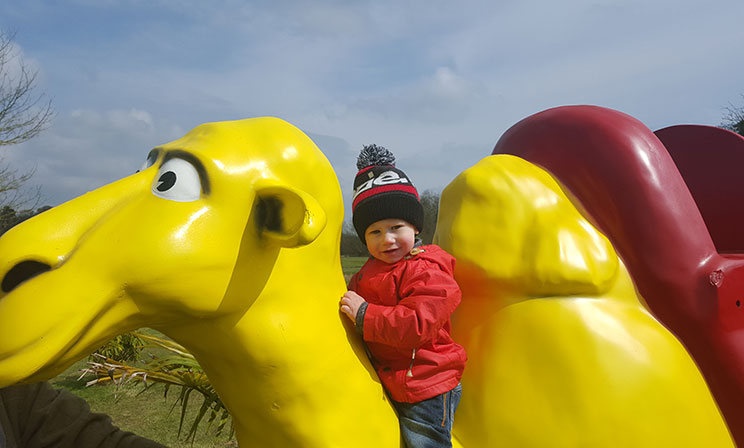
(192, 236)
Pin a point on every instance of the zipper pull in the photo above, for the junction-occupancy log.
(410, 368)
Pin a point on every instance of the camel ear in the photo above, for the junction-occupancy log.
(287, 216)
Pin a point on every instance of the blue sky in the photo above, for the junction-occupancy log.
(437, 82)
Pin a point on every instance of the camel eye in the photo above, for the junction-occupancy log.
(177, 180)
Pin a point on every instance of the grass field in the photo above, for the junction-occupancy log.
(145, 412)
(150, 414)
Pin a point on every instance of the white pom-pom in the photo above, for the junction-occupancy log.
(373, 155)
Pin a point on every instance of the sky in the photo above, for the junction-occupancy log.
(436, 82)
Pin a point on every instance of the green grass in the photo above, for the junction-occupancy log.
(351, 265)
(147, 412)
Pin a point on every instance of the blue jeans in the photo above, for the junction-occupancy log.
(428, 423)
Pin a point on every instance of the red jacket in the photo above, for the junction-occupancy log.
(407, 323)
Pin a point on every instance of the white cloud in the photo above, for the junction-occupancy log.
(86, 149)
(436, 82)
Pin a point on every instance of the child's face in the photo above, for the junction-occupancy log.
(389, 240)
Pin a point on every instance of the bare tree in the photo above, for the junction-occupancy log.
(734, 119)
(23, 113)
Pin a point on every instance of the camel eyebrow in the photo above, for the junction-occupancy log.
(193, 160)
(153, 154)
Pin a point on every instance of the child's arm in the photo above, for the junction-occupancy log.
(429, 296)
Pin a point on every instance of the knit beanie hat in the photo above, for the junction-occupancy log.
(382, 191)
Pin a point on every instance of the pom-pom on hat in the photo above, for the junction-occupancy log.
(382, 191)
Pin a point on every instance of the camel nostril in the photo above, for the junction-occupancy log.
(22, 272)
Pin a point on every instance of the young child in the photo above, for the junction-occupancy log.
(401, 301)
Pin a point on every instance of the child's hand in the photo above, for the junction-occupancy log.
(350, 304)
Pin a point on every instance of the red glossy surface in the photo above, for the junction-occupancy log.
(621, 174)
(711, 161)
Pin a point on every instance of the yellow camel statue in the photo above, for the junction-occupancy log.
(227, 241)
(209, 245)
(562, 353)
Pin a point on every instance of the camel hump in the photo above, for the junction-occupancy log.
(508, 220)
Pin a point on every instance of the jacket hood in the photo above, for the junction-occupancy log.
(437, 255)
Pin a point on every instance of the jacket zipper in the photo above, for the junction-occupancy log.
(410, 368)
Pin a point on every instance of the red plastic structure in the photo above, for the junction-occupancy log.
(711, 161)
(626, 180)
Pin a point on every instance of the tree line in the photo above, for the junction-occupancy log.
(10, 217)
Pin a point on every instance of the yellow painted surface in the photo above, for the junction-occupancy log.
(239, 263)
(562, 352)
(228, 243)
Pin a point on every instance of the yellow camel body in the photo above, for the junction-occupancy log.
(562, 353)
(229, 274)
(228, 243)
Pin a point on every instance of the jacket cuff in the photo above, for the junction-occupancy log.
(360, 318)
